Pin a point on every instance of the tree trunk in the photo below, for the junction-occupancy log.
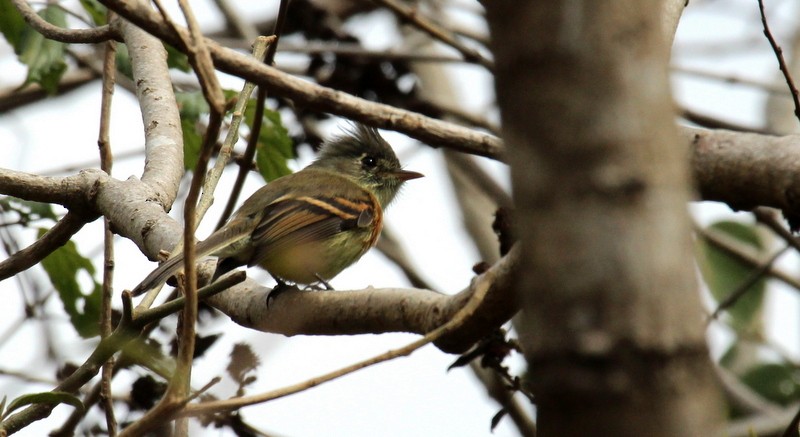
(612, 322)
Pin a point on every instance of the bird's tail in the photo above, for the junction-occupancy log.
(216, 242)
(159, 275)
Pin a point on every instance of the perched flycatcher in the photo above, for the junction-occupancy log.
(308, 226)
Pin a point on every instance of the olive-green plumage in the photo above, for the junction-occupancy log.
(310, 225)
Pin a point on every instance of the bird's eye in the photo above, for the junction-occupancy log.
(369, 161)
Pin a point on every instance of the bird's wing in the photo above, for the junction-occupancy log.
(292, 221)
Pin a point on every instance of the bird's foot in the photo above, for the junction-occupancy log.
(323, 283)
(279, 289)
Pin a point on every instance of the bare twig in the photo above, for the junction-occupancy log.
(349, 50)
(243, 27)
(710, 122)
(469, 309)
(127, 329)
(56, 237)
(50, 31)
(435, 30)
(781, 62)
(747, 283)
(259, 51)
(435, 133)
(767, 218)
(258, 119)
(768, 87)
(179, 385)
(740, 252)
(106, 162)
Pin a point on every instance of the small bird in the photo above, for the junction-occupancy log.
(308, 226)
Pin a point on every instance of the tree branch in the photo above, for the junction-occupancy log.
(746, 170)
(388, 310)
(434, 132)
(56, 237)
(50, 31)
(163, 168)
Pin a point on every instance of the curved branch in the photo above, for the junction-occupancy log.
(163, 168)
(56, 237)
(431, 131)
(50, 31)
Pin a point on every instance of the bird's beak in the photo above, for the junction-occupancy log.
(405, 175)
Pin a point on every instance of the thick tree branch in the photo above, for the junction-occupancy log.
(373, 310)
(746, 170)
(73, 192)
(162, 124)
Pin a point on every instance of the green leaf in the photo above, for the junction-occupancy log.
(724, 274)
(95, 10)
(274, 146)
(44, 57)
(27, 210)
(50, 397)
(777, 382)
(63, 267)
(191, 104)
(176, 59)
(123, 61)
(192, 143)
(12, 25)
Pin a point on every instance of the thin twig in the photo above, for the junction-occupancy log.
(225, 152)
(459, 318)
(50, 31)
(128, 329)
(435, 30)
(200, 60)
(349, 50)
(765, 216)
(54, 238)
(710, 122)
(243, 27)
(781, 62)
(744, 254)
(258, 118)
(433, 132)
(768, 87)
(106, 162)
(747, 283)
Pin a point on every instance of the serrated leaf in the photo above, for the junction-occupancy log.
(63, 267)
(777, 382)
(50, 397)
(44, 57)
(274, 146)
(96, 11)
(12, 25)
(724, 274)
